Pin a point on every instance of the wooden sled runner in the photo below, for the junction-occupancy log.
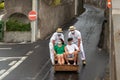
(66, 67)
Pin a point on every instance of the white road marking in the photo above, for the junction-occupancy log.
(12, 68)
(2, 71)
(29, 53)
(37, 46)
(12, 63)
(5, 48)
(9, 58)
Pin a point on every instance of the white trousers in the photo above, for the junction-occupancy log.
(82, 53)
(51, 48)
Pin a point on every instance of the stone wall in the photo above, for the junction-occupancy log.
(104, 42)
(17, 6)
(98, 3)
(17, 36)
(80, 8)
(51, 17)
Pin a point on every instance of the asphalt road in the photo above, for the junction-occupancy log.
(31, 61)
(90, 25)
(24, 61)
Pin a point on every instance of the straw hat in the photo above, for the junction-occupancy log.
(71, 28)
(59, 30)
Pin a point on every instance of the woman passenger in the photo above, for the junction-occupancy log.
(59, 51)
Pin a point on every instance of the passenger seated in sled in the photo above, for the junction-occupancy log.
(71, 51)
(59, 51)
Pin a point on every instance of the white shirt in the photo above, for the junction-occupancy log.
(71, 48)
(75, 36)
(56, 37)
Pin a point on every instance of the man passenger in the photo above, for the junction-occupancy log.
(71, 51)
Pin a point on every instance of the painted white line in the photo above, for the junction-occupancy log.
(29, 53)
(5, 48)
(2, 71)
(37, 46)
(9, 58)
(12, 68)
(12, 63)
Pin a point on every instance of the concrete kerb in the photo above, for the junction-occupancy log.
(24, 42)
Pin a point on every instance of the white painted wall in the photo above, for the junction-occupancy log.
(116, 30)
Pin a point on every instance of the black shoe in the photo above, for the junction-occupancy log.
(84, 62)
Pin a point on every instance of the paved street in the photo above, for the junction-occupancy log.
(24, 61)
(31, 61)
(90, 24)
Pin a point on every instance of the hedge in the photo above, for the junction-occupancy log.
(56, 2)
(53, 2)
(1, 25)
(1, 22)
(15, 25)
(1, 5)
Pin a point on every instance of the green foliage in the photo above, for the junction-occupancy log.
(15, 25)
(1, 5)
(56, 2)
(1, 22)
(1, 25)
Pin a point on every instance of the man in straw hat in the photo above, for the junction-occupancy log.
(77, 39)
(56, 37)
